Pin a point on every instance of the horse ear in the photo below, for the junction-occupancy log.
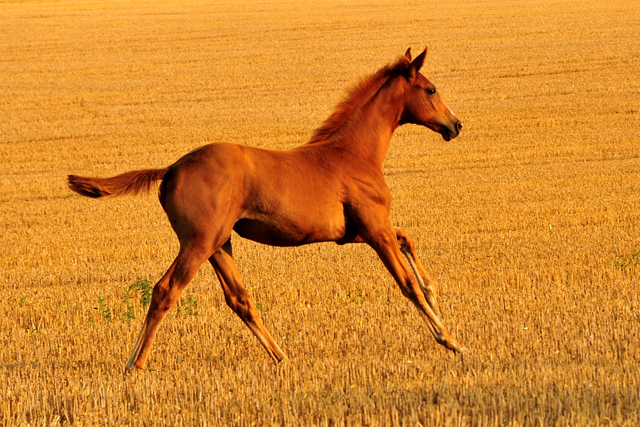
(407, 54)
(417, 63)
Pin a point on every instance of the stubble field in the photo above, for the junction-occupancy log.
(529, 222)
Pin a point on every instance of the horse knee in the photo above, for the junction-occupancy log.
(240, 305)
(407, 289)
(406, 243)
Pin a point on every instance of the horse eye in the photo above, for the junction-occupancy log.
(431, 91)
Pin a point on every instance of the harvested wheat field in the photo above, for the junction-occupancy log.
(529, 221)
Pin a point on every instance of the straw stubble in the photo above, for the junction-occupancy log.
(528, 223)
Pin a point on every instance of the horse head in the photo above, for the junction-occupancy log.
(423, 105)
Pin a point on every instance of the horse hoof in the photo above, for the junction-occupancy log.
(132, 370)
(463, 351)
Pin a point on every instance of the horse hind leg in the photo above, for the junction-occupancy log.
(239, 300)
(165, 294)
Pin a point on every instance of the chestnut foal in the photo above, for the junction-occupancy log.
(330, 189)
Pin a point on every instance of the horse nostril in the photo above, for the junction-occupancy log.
(459, 126)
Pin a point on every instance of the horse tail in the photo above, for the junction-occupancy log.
(133, 182)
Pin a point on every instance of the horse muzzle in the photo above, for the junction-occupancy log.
(451, 131)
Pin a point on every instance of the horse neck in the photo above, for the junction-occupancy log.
(368, 131)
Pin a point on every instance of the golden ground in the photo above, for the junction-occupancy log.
(529, 222)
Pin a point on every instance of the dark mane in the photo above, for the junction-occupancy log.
(357, 96)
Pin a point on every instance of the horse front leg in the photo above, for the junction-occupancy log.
(384, 242)
(408, 249)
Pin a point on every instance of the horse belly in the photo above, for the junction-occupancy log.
(290, 230)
